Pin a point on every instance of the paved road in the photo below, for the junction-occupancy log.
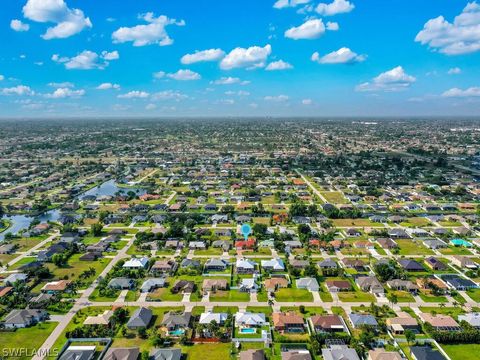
(32, 250)
(315, 191)
(80, 303)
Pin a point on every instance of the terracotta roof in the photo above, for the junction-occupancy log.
(326, 321)
(282, 319)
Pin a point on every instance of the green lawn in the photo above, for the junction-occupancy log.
(293, 295)
(309, 310)
(334, 197)
(75, 267)
(355, 296)
(403, 296)
(232, 295)
(164, 294)
(432, 298)
(474, 294)
(455, 250)
(31, 338)
(452, 311)
(462, 352)
(219, 351)
(411, 247)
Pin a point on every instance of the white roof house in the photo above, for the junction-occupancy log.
(274, 264)
(249, 319)
(136, 263)
(208, 317)
(245, 264)
(311, 284)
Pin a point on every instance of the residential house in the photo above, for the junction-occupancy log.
(463, 262)
(24, 318)
(161, 267)
(252, 354)
(370, 284)
(299, 264)
(248, 285)
(183, 286)
(458, 283)
(435, 244)
(338, 285)
(440, 322)
(121, 283)
(136, 263)
(402, 322)
(339, 352)
(15, 277)
(358, 320)
(273, 265)
(78, 352)
(250, 320)
(216, 265)
(122, 354)
(327, 323)
(472, 318)
(288, 322)
(309, 283)
(152, 284)
(327, 264)
(214, 285)
(55, 287)
(381, 354)
(425, 353)
(411, 265)
(245, 266)
(208, 317)
(435, 264)
(275, 283)
(387, 243)
(100, 319)
(140, 318)
(166, 354)
(174, 321)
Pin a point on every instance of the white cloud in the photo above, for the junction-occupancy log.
(62, 93)
(169, 95)
(395, 79)
(181, 75)
(135, 94)
(332, 26)
(226, 81)
(459, 93)
(342, 56)
(204, 55)
(21, 90)
(238, 93)
(278, 65)
(282, 4)
(307, 102)
(65, 84)
(279, 98)
(2, 77)
(107, 86)
(152, 33)
(184, 75)
(460, 37)
(311, 29)
(68, 21)
(454, 71)
(241, 57)
(334, 8)
(17, 25)
(110, 55)
(150, 107)
(87, 60)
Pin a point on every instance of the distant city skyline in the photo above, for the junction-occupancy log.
(251, 58)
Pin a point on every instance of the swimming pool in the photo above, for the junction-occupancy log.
(178, 332)
(248, 331)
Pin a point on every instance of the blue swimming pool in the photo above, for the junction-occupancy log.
(178, 332)
(247, 331)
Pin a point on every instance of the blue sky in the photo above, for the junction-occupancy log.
(254, 57)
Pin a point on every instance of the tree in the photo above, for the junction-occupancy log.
(96, 229)
(59, 260)
(142, 332)
(410, 336)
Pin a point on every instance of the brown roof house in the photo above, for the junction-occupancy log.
(338, 285)
(440, 322)
(214, 285)
(402, 322)
(288, 322)
(327, 323)
(275, 283)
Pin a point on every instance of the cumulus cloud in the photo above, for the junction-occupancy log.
(238, 93)
(332, 26)
(246, 57)
(20, 90)
(395, 79)
(68, 21)
(107, 86)
(181, 75)
(150, 107)
(460, 93)
(134, 94)
(2, 77)
(66, 92)
(169, 95)
(17, 25)
(278, 98)
(454, 71)
(334, 8)
(310, 29)
(278, 65)
(152, 33)
(204, 55)
(228, 80)
(342, 56)
(460, 37)
(87, 60)
(282, 4)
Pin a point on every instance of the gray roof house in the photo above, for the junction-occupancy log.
(121, 283)
(471, 318)
(122, 354)
(166, 354)
(362, 319)
(24, 318)
(173, 321)
(152, 284)
(309, 283)
(140, 318)
(78, 352)
(339, 352)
